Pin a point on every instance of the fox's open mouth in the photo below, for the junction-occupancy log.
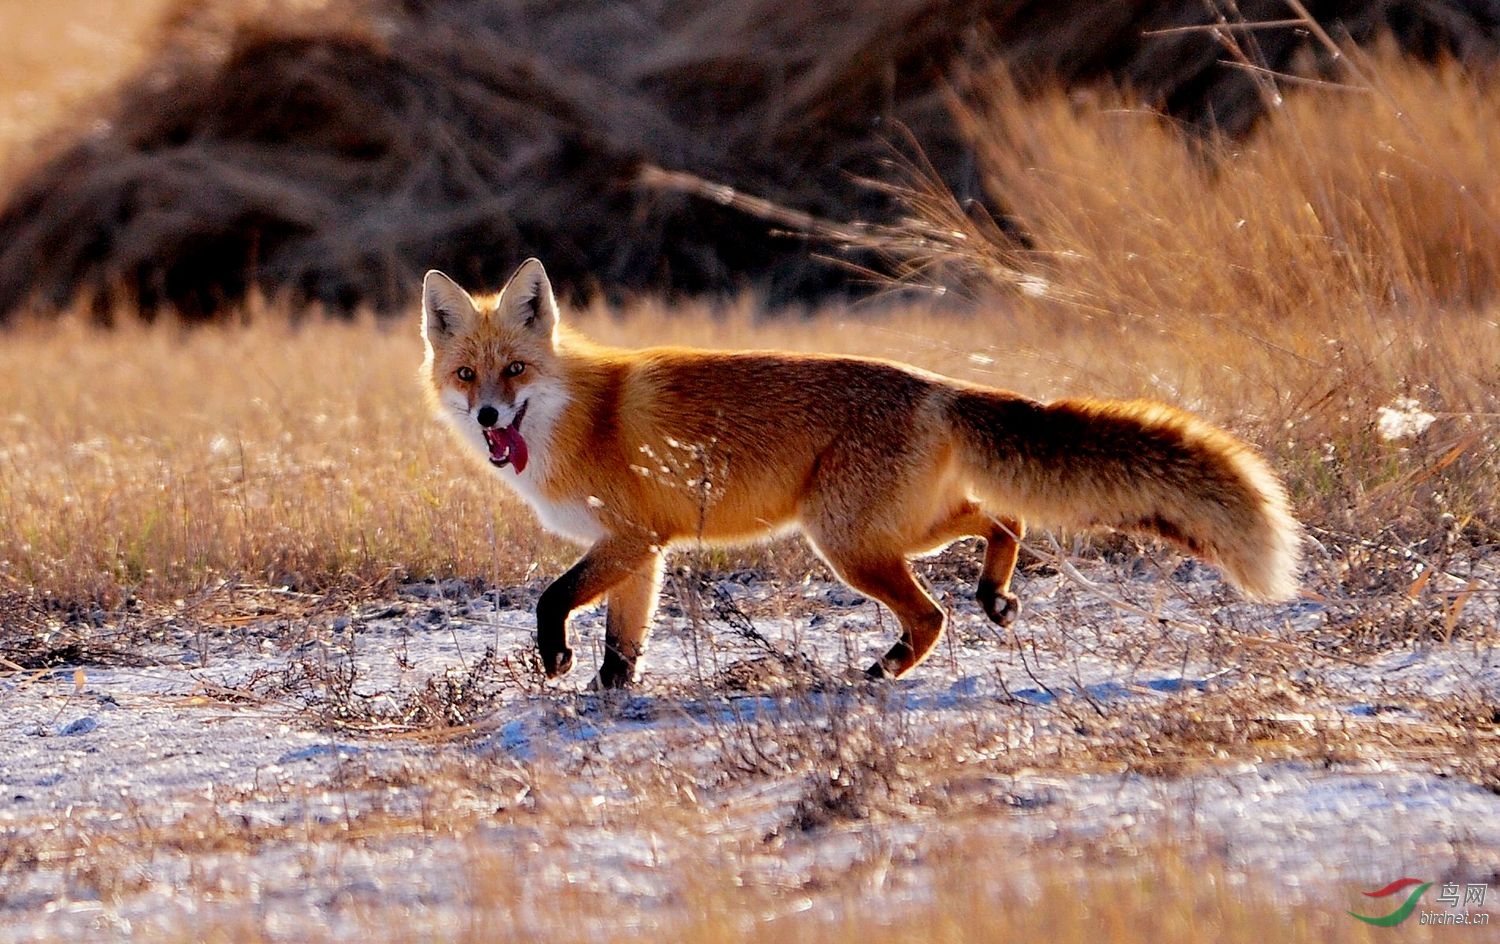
(507, 447)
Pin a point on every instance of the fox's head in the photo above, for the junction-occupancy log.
(490, 360)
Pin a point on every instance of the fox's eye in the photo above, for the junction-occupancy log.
(514, 368)
(466, 374)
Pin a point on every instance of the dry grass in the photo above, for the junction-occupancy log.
(1290, 286)
(55, 57)
(156, 464)
(642, 826)
(332, 151)
(511, 844)
(983, 901)
(1292, 289)
(1299, 285)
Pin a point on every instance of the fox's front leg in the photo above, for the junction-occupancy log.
(627, 625)
(607, 563)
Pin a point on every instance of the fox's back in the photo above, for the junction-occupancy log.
(757, 397)
(726, 443)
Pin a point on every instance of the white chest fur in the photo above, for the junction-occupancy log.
(572, 519)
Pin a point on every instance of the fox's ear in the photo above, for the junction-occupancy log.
(446, 308)
(528, 298)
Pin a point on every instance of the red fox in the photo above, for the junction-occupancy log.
(631, 452)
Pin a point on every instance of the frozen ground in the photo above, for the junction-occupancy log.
(285, 773)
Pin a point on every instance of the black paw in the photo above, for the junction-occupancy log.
(557, 662)
(1001, 608)
(606, 683)
(614, 676)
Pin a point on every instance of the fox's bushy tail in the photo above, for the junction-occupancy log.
(1135, 466)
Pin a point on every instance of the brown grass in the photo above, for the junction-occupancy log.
(1162, 896)
(1297, 283)
(1291, 289)
(157, 463)
(334, 151)
(55, 58)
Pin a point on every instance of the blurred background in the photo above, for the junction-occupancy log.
(182, 155)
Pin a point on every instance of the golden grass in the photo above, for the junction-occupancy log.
(56, 56)
(1160, 895)
(1374, 198)
(1292, 284)
(1290, 287)
(155, 462)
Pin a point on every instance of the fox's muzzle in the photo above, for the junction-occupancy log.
(507, 446)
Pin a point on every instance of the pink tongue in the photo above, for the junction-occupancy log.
(507, 446)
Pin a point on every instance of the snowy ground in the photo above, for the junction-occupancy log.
(278, 773)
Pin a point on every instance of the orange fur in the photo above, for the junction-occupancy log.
(634, 451)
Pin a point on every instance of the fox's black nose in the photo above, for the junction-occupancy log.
(488, 416)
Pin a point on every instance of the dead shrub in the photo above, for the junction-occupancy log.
(332, 154)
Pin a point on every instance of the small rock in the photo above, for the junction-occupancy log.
(81, 726)
(838, 596)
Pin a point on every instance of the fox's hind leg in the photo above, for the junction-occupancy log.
(1002, 546)
(1002, 537)
(627, 625)
(922, 620)
(888, 578)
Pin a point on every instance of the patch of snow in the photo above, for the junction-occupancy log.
(162, 739)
